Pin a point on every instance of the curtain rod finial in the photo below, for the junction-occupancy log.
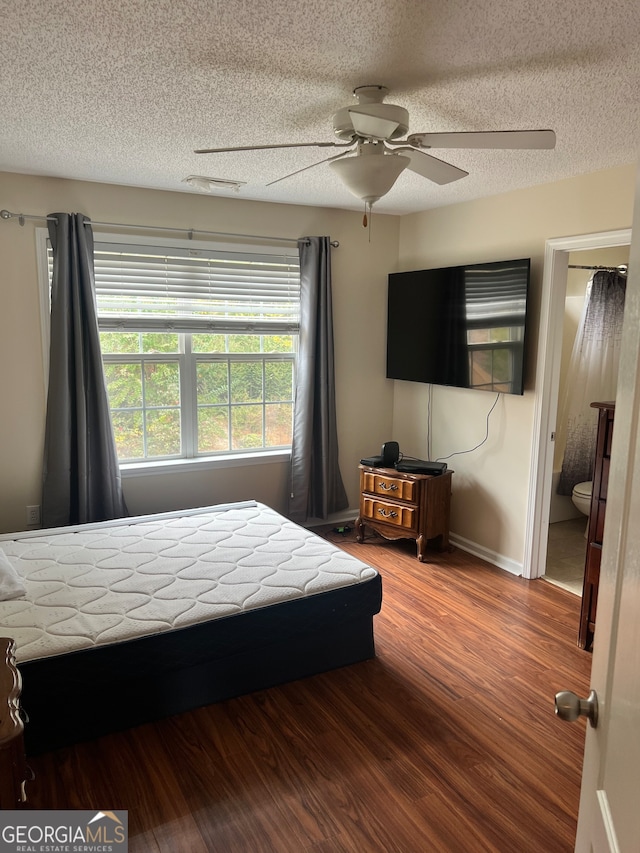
(6, 214)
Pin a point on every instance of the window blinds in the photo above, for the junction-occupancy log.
(155, 288)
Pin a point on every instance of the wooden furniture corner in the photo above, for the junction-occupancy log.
(13, 768)
(595, 529)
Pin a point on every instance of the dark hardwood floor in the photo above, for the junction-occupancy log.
(446, 742)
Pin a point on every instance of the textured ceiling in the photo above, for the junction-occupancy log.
(123, 91)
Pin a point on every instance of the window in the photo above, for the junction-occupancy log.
(199, 347)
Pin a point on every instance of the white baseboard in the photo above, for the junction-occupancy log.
(348, 516)
(499, 560)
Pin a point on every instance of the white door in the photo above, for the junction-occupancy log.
(609, 818)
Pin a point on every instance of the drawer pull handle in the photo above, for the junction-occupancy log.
(386, 488)
(391, 514)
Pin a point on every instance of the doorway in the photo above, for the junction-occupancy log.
(554, 289)
(566, 548)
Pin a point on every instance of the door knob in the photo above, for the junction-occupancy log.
(569, 707)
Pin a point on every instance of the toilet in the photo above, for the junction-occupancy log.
(581, 497)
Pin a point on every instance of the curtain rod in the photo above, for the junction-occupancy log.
(6, 214)
(622, 268)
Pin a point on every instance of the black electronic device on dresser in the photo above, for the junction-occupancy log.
(420, 466)
(391, 457)
(390, 453)
(388, 457)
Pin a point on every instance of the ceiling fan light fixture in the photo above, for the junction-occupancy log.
(208, 185)
(370, 177)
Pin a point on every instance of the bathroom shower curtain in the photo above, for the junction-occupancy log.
(593, 373)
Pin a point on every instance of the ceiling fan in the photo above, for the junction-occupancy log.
(370, 131)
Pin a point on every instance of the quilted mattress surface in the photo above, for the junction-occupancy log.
(113, 581)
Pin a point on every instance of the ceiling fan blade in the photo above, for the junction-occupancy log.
(269, 147)
(521, 139)
(372, 126)
(430, 167)
(312, 166)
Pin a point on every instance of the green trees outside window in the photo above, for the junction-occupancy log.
(213, 393)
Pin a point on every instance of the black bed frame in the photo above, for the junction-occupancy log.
(114, 687)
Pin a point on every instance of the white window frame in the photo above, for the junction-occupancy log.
(166, 465)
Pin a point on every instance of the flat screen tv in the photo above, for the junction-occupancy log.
(462, 326)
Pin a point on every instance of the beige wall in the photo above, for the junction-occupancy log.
(491, 484)
(364, 396)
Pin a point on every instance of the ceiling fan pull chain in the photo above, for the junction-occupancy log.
(364, 218)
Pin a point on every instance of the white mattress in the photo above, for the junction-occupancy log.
(105, 583)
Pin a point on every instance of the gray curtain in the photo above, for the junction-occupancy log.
(81, 478)
(316, 485)
(592, 375)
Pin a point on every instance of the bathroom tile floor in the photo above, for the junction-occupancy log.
(565, 554)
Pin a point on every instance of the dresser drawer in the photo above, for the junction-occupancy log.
(609, 437)
(396, 514)
(393, 487)
(592, 563)
(596, 521)
(604, 478)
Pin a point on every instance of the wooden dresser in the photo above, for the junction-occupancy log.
(13, 769)
(595, 529)
(399, 505)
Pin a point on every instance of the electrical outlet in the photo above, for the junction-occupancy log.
(33, 515)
